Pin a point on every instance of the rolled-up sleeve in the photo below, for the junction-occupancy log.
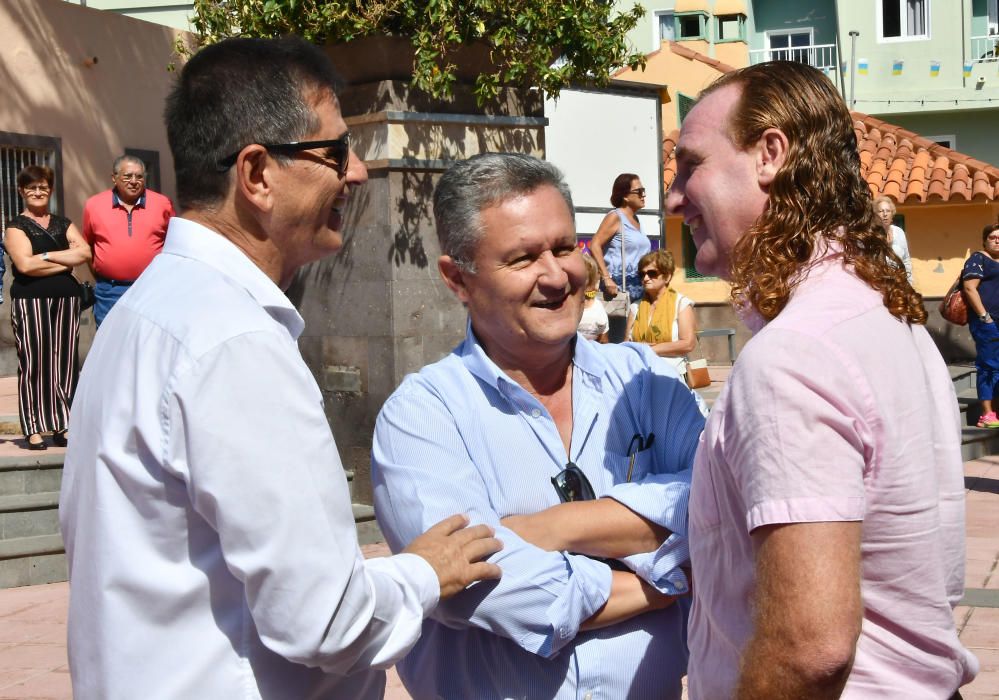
(662, 494)
(423, 472)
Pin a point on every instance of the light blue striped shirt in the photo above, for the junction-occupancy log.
(460, 436)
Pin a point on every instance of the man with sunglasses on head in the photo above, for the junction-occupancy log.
(209, 533)
(125, 227)
(577, 453)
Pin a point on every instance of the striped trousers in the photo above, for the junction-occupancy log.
(46, 332)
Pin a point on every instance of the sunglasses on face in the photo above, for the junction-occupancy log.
(572, 485)
(651, 274)
(640, 191)
(336, 150)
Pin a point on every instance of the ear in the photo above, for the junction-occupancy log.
(453, 276)
(772, 153)
(254, 173)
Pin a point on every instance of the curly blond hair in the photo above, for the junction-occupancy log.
(817, 193)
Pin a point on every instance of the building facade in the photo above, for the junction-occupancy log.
(169, 13)
(929, 66)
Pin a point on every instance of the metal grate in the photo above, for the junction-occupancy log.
(16, 152)
(690, 273)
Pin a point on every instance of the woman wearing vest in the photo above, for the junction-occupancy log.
(664, 318)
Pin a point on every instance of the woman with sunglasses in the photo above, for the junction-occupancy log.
(619, 242)
(664, 318)
(45, 307)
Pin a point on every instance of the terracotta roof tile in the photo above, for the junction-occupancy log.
(902, 165)
(930, 172)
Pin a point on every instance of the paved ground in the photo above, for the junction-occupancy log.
(33, 662)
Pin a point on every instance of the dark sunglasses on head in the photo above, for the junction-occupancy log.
(640, 191)
(572, 485)
(336, 150)
(651, 274)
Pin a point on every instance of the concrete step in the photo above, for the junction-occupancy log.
(963, 376)
(29, 561)
(35, 472)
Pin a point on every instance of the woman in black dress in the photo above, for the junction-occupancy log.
(45, 307)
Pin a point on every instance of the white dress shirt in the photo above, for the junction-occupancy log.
(462, 435)
(207, 522)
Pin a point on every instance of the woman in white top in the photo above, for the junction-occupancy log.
(593, 323)
(885, 209)
(663, 318)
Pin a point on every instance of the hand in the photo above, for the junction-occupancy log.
(456, 553)
(610, 287)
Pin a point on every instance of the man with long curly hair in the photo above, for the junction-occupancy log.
(827, 506)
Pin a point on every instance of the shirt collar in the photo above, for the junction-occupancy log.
(188, 239)
(116, 202)
(473, 356)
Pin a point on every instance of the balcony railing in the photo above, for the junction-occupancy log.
(821, 56)
(984, 48)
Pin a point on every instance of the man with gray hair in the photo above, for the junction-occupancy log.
(125, 227)
(210, 538)
(577, 453)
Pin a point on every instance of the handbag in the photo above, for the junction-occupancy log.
(618, 306)
(697, 374)
(87, 295)
(953, 307)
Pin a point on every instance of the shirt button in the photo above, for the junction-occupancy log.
(536, 413)
(588, 696)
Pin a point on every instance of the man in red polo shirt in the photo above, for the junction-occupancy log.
(125, 227)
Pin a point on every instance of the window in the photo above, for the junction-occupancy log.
(690, 272)
(993, 17)
(790, 45)
(692, 25)
(666, 27)
(730, 28)
(904, 19)
(946, 140)
(18, 151)
(684, 104)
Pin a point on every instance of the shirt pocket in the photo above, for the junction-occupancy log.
(643, 466)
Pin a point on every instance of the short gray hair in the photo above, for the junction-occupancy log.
(478, 183)
(126, 158)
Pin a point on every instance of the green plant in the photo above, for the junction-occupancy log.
(542, 43)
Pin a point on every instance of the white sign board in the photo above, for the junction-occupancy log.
(593, 136)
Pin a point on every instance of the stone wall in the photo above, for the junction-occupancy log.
(378, 310)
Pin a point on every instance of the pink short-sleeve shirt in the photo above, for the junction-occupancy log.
(836, 411)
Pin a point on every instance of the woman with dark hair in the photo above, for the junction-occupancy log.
(664, 318)
(619, 242)
(45, 307)
(980, 282)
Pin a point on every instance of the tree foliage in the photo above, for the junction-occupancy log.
(548, 44)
